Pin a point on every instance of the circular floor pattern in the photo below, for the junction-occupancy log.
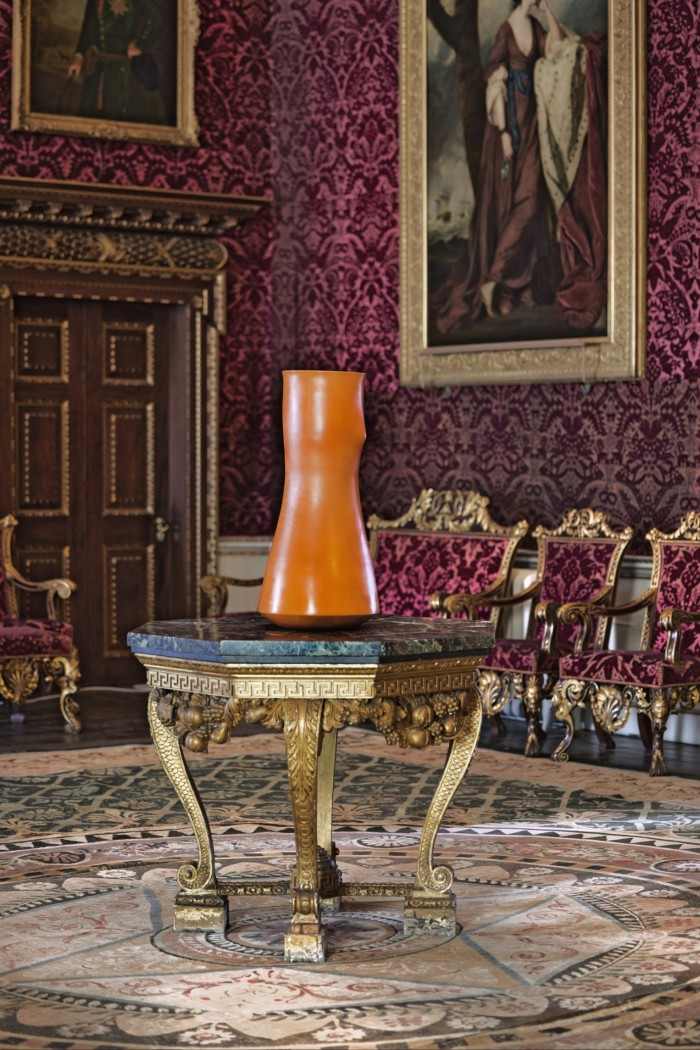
(569, 939)
(365, 933)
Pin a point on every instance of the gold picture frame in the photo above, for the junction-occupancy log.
(146, 95)
(616, 349)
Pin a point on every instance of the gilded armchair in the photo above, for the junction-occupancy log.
(661, 677)
(446, 542)
(216, 590)
(35, 650)
(579, 560)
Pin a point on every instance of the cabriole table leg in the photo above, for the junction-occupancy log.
(431, 905)
(198, 905)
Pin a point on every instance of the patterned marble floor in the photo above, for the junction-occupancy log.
(579, 908)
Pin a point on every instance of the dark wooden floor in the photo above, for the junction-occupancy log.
(118, 716)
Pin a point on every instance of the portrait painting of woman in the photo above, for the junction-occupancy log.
(517, 187)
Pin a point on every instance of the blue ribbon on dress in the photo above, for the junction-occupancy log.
(518, 80)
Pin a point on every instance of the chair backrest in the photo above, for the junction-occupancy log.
(575, 561)
(675, 573)
(446, 541)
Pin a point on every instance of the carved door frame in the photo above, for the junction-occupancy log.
(68, 240)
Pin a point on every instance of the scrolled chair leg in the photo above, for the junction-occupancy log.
(568, 694)
(532, 698)
(660, 709)
(64, 671)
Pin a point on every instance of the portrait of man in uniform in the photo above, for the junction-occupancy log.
(107, 68)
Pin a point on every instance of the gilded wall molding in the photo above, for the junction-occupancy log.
(55, 225)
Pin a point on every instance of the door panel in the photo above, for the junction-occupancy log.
(99, 409)
(42, 463)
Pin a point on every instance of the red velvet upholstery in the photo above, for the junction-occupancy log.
(679, 588)
(35, 638)
(641, 667)
(574, 570)
(410, 566)
(578, 561)
(521, 656)
(662, 677)
(37, 650)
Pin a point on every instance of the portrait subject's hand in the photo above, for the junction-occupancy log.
(507, 146)
(76, 67)
(133, 50)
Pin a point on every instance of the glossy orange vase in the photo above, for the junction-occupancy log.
(319, 575)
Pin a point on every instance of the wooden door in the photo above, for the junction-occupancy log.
(100, 466)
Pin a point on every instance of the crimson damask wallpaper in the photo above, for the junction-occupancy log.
(300, 99)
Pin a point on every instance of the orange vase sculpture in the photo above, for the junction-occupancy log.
(319, 575)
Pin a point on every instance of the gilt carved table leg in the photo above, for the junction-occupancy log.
(431, 905)
(306, 939)
(330, 902)
(198, 905)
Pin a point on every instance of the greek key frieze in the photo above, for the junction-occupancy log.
(424, 684)
(285, 688)
(186, 682)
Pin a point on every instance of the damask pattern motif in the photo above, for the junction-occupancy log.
(411, 566)
(521, 656)
(626, 448)
(34, 637)
(574, 571)
(644, 668)
(301, 101)
(679, 588)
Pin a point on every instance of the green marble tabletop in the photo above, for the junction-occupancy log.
(250, 639)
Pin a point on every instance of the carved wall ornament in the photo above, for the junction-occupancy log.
(119, 230)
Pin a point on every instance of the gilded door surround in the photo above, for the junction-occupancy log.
(65, 240)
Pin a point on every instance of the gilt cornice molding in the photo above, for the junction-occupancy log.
(47, 224)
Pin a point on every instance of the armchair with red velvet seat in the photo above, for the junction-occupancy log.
(446, 542)
(663, 675)
(35, 649)
(577, 561)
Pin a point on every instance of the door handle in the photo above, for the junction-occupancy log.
(162, 529)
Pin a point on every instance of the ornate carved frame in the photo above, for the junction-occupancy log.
(112, 241)
(183, 133)
(617, 354)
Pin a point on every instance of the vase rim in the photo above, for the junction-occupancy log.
(321, 372)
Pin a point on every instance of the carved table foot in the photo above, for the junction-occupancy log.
(426, 912)
(201, 912)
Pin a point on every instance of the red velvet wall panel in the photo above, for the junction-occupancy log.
(302, 100)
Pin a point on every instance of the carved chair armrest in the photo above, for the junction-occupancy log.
(59, 588)
(472, 601)
(456, 603)
(216, 590)
(670, 620)
(548, 613)
(582, 613)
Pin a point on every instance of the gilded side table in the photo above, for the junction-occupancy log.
(412, 678)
